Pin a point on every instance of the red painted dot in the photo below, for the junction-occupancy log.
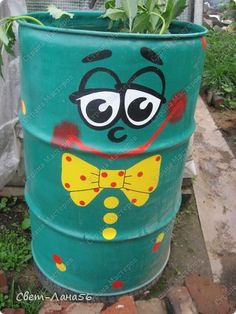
(96, 190)
(104, 174)
(156, 247)
(140, 174)
(150, 189)
(68, 158)
(134, 200)
(113, 184)
(57, 259)
(82, 203)
(204, 43)
(121, 173)
(118, 284)
(83, 178)
(67, 185)
(158, 158)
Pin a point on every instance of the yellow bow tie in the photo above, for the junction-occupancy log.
(85, 181)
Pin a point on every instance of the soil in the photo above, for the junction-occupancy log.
(225, 120)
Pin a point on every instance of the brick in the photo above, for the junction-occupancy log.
(50, 307)
(53, 307)
(181, 300)
(125, 305)
(152, 306)
(210, 297)
(13, 311)
(85, 308)
(3, 282)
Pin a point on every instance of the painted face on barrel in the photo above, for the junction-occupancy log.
(125, 104)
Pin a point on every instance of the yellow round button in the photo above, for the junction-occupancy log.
(61, 267)
(160, 237)
(109, 233)
(110, 218)
(111, 202)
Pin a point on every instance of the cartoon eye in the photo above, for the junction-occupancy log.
(140, 107)
(99, 109)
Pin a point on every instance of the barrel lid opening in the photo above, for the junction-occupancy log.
(90, 23)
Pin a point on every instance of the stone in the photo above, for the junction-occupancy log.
(152, 306)
(13, 311)
(218, 101)
(124, 305)
(181, 300)
(209, 297)
(3, 282)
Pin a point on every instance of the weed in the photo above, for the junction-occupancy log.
(15, 250)
(6, 203)
(220, 66)
(30, 306)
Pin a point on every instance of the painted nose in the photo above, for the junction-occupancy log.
(114, 135)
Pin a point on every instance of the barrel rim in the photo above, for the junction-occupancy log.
(197, 30)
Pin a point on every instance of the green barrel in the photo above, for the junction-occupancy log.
(107, 119)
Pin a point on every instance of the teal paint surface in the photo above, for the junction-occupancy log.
(69, 246)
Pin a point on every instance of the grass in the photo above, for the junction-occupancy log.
(220, 66)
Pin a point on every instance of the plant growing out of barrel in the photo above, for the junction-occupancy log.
(133, 16)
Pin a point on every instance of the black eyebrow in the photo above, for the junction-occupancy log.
(98, 55)
(151, 55)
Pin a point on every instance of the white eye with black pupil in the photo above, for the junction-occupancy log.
(140, 107)
(99, 109)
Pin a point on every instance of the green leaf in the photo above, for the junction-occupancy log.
(25, 223)
(172, 10)
(1, 62)
(131, 9)
(3, 35)
(150, 4)
(115, 14)
(110, 4)
(140, 23)
(154, 19)
(58, 13)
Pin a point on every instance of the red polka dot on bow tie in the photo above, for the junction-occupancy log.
(57, 259)
(68, 158)
(96, 190)
(83, 178)
(140, 174)
(104, 174)
(158, 158)
(118, 284)
(134, 200)
(121, 173)
(150, 189)
(113, 184)
(67, 185)
(82, 203)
